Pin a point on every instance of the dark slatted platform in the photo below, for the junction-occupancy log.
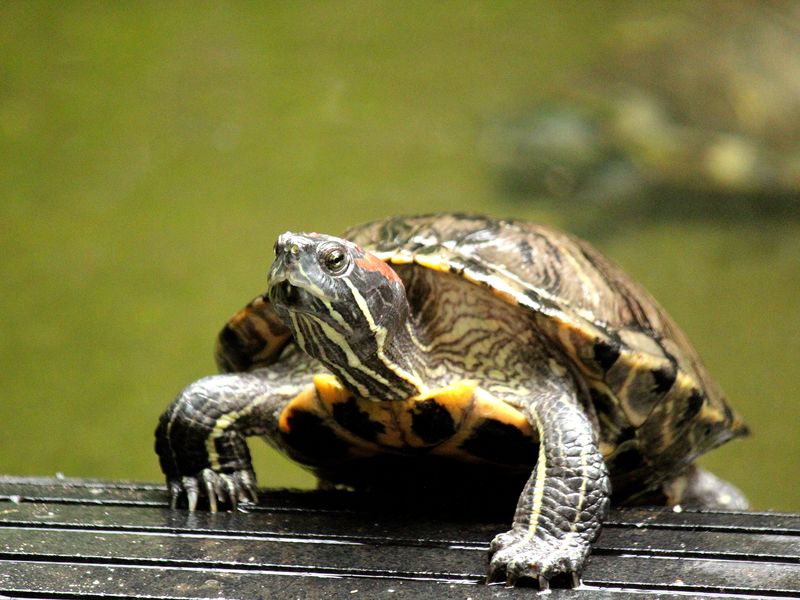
(78, 539)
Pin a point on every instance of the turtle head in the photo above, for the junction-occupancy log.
(348, 309)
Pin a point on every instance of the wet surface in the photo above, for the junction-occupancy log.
(66, 538)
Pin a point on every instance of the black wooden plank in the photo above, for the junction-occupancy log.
(305, 524)
(758, 522)
(712, 544)
(404, 562)
(68, 490)
(695, 575)
(71, 580)
(302, 539)
(242, 552)
(97, 491)
(72, 491)
(49, 489)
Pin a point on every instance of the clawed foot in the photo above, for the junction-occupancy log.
(234, 488)
(517, 555)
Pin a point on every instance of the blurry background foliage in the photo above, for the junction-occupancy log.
(150, 153)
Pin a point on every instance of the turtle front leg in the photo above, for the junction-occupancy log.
(200, 438)
(563, 503)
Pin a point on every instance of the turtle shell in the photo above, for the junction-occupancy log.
(657, 407)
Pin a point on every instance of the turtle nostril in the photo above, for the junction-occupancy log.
(287, 247)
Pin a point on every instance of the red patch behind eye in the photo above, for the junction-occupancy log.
(370, 262)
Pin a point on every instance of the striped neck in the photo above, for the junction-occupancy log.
(374, 361)
(348, 309)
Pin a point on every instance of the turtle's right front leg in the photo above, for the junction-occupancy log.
(200, 438)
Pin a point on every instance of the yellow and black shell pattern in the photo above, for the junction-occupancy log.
(656, 405)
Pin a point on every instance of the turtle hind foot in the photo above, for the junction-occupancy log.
(696, 489)
(706, 490)
(232, 489)
(520, 558)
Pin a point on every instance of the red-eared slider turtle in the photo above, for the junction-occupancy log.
(418, 344)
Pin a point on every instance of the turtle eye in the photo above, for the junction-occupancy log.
(335, 259)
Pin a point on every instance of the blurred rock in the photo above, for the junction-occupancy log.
(693, 113)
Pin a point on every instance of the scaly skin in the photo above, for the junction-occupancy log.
(200, 439)
(562, 506)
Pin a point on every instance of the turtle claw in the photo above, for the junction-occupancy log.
(175, 489)
(190, 487)
(212, 493)
(517, 555)
(247, 489)
(232, 489)
(495, 573)
(544, 584)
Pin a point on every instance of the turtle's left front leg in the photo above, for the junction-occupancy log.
(563, 503)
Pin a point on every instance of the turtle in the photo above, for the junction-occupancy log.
(450, 350)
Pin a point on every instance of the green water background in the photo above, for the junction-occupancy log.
(150, 153)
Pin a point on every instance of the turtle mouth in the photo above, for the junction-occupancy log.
(284, 293)
(286, 296)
